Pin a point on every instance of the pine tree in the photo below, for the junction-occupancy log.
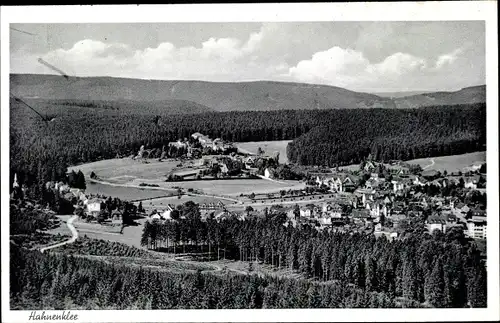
(435, 285)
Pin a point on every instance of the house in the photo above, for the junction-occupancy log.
(369, 166)
(476, 212)
(167, 214)
(349, 183)
(336, 184)
(268, 173)
(476, 227)
(400, 184)
(333, 210)
(325, 221)
(178, 144)
(366, 195)
(472, 182)
(94, 207)
(117, 218)
(377, 209)
(307, 211)
(155, 216)
(436, 223)
(360, 216)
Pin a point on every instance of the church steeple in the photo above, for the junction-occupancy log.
(15, 184)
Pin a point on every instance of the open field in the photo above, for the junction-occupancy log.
(269, 147)
(122, 170)
(451, 163)
(125, 193)
(237, 186)
(162, 202)
(131, 235)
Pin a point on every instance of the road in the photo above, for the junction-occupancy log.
(431, 164)
(74, 235)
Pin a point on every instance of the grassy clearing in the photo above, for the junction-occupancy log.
(269, 147)
(162, 202)
(122, 170)
(125, 193)
(243, 267)
(237, 186)
(451, 163)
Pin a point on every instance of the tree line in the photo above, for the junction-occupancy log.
(347, 138)
(41, 151)
(55, 281)
(438, 270)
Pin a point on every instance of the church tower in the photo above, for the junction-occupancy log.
(15, 184)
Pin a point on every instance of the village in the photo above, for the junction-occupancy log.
(374, 198)
(377, 198)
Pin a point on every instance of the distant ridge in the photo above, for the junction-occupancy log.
(225, 96)
(473, 94)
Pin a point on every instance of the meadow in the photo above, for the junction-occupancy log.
(451, 163)
(269, 148)
(125, 193)
(122, 170)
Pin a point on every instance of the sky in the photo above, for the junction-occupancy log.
(360, 56)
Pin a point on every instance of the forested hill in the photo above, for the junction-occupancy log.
(473, 94)
(242, 96)
(259, 96)
(150, 108)
(347, 138)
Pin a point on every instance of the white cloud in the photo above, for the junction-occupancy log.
(257, 58)
(448, 59)
(218, 59)
(350, 68)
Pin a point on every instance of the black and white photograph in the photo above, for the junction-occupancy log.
(162, 166)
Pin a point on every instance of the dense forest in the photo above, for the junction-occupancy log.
(52, 281)
(42, 150)
(439, 270)
(346, 138)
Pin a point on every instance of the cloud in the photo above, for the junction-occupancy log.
(217, 59)
(351, 69)
(261, 56)
(448, 59)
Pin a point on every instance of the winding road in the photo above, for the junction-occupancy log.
(431, 164)
(74, 236)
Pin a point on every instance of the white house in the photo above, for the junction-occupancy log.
(471, 182)
(436, 224)
(306, 212)
(167, 214)
(476, 227)
(93, 207)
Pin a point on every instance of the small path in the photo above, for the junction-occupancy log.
(431, 164)
(272, 180)
(74, 234)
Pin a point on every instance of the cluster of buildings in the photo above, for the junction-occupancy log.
(199, 143)
(386, 204)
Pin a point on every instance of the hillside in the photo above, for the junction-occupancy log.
(474, 94)
(240, 96)
(406, 134)
(71, 106)
(260, 96)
